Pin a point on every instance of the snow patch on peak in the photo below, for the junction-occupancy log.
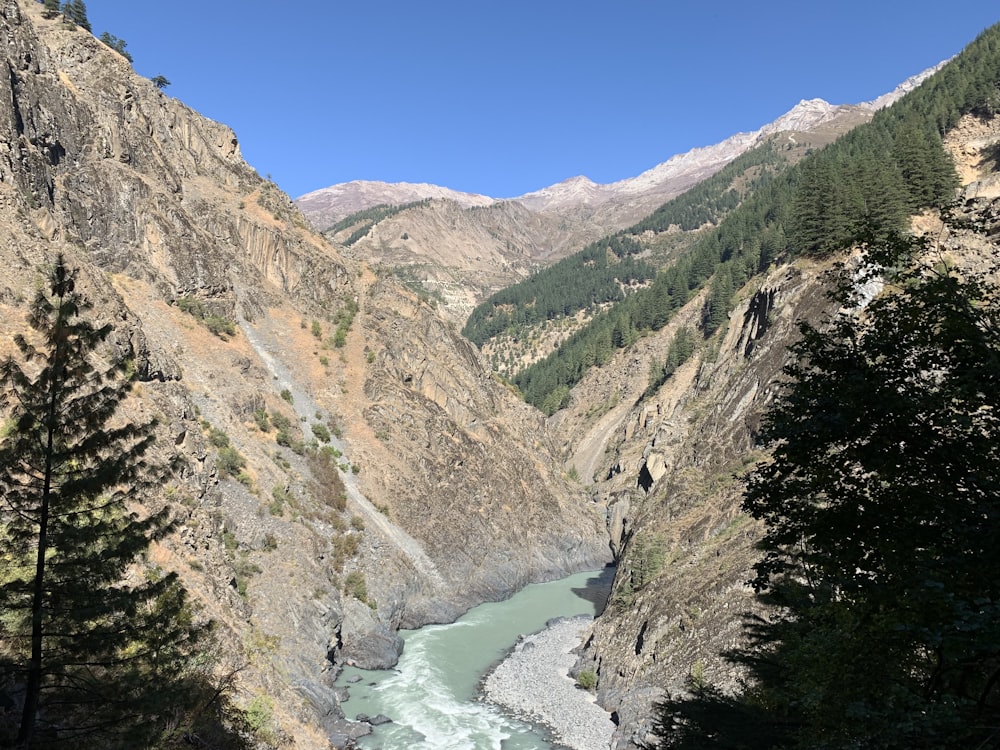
(576, 191)
(328, 205)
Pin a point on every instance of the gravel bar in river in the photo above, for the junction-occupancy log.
(533, 682)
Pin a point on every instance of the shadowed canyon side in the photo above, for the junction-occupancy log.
(669, 463)
(342, 464)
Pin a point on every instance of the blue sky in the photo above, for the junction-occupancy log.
(502, 98)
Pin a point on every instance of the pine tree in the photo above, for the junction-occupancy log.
(96, 657)
(76, 11)
(51, 9)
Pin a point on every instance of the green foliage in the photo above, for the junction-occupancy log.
(217, 324)
(245, 569)
(287, 395)
(408, 277)
(354, 585)
(118, 45)
(328, 487)
(259, 718)
(682, 347)
(99, 661)
(259, 713)
(160, 82)
(587, 679)
(596, 275)
(220, 326)
(316, 329)
(283, 430)
(261, 419)
(645, 555)
(279, 497)
(881, 507)
(51, 9)
(369, 217)
(711, 200)
(321, 432)
(229, 461)
(343, 321)
(76, 12)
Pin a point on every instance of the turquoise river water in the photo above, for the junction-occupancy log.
(432, 693)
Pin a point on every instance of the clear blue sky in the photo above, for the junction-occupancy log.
(506, 97)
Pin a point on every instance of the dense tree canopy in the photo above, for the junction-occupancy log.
(882, 511)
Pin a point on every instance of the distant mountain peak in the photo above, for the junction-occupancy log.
(328, 205)
(655, 185)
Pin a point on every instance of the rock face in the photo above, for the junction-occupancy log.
(446, 493)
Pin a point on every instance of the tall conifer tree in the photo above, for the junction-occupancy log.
(94, 657)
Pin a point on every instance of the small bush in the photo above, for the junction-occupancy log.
(280, 496)
(221, 327)
(283, 425)
(587, 679)
(259, 715)
(328, 487)
(355, 585)
(321, 432)
(230, 461)
(217, 324)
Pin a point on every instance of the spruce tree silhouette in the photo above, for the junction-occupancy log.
(97, 656)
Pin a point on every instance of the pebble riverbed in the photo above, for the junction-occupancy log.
(533, 683)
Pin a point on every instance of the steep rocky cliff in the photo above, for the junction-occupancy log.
(437, 488)
(669, 465)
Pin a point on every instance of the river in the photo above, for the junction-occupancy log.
(432, 693)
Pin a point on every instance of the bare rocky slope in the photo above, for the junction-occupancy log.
(447, 493)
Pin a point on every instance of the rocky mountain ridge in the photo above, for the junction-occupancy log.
(389, 480)
(326, 206)
(462, 247)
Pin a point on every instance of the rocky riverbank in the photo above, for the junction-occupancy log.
(533, 683)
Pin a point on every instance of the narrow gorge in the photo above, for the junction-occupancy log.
(343, 462)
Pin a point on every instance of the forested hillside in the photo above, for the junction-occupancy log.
(364, 220)
(876, 177)
(606, 270)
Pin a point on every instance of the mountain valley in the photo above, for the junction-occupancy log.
(392, 472)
